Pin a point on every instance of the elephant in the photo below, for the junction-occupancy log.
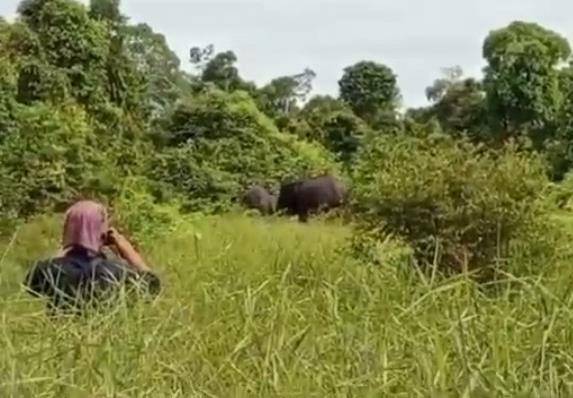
(260, 199)
(311, 195)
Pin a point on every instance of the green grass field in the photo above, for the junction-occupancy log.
(268, 308)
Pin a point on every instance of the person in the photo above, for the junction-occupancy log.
(83, 273)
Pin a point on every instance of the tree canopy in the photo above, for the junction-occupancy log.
(83, 85)
(369, 88)
(522, 80)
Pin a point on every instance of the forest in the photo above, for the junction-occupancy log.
(446, 274)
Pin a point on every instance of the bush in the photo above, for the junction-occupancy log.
(7, 96)
(561, 194)
(219, 143)
(49, 159)
(455, 203)
(136, 212)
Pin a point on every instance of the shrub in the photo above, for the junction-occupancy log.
(48, 159)
(339, 131)
(137, 213)
(561, 194)
(7, 96)
(453, 202)
(218, 143)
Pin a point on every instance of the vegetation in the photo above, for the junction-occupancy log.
(257, 307)
(459, 206)
(446, 276)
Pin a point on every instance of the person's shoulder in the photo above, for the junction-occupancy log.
(38, 274)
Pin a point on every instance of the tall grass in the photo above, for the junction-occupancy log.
(268, 308)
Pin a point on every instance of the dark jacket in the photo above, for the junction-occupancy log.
(80, 279)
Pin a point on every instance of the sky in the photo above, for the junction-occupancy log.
(272, 38)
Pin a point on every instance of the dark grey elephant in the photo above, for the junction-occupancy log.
(311, 196)
(260, 199)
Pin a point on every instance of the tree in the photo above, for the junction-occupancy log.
(200, 56)
(221, 71)
(158, 65)
(218, 143)
(370, 89)
(71, 42)
(441, 86)
(69, 38)
(8, 92)
(323, 103)
(106, 10)
(566, 86)
(522, 80)
(457, 104)
(38, 82)
(47, 159)
(331, 123)
(30, 10)
(559, 149)
(282, 95)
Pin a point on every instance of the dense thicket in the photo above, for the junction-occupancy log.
(89, 101)
(459, 205)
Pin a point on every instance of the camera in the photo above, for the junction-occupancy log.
(108, 239)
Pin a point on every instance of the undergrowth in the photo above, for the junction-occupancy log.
(257, 307)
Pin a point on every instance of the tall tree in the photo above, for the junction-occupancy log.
(458, 104)
(200, 56)
(559, 150)
(282, 95)
(451, 76)
(158, 64)
(370, 89)
(222, 71)
(71, 42)
(522, 80)
(107, 10)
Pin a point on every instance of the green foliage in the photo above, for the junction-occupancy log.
(48, 160)
(458, 205)
(522, 81)
(337, 128)
(459, 105)
(62, 49)
(106, 10)
(158, 65)
(282, 95)
(369, 88)
(41, 82)
(7, 96)
(125, 85)
(566, 85)
(220, 143)
(561, 194)
(298, 317)
(68, 36)
(21, 44)
(330, 123)
(136, 212)
(222, 72)
(559, 150)
(82, 93)
(324, 103)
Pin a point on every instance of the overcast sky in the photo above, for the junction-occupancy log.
(416, 38)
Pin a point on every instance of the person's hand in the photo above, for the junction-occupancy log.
(117, 239)
(126, 250)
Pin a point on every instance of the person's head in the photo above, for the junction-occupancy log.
(85, 226)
